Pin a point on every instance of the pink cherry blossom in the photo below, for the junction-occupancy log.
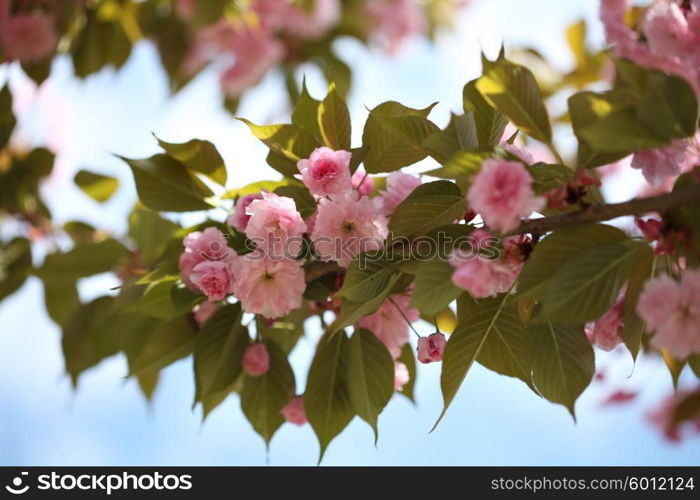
(661, 163)
(239, 218)
(294, 411)
(29, 38)
(213, 278)
(256, 360)
(202, 246)
(389, 325)
(518, 152)
(393, 22)
(275, 225)
(202, 312)
(326, 172)
(607, 329)
(671, 310)
(362, 182)
(401, 376)
(268, 287)
(313, 25)
(667, 30)
(502, 193)
(662, 416)
(398, 186)
(430, 348)
(346, 227)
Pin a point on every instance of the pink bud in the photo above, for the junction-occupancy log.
(256, 360)
(294, 412)
(401, 376)
(430, 348)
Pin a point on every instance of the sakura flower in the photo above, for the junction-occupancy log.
(202, 246)
(393, 22)
(663, 415)
(398, 186)
(389, 325)
(430, 348)
(671, 310)
(346, 227)
(239, 218)
(669, 161)
(362, 182)
(518, 152)
(29, 38)
(202, 312)
(256, 360)
(326, 172)
(502, 193)
(607, 329)
(213, 278)
(294, 412)
(268, 287)
(312, 25)
(667, 30)
(275, 225)
(401, 376)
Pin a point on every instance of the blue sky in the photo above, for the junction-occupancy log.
(493, 421)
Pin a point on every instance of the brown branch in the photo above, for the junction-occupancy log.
(597, 213)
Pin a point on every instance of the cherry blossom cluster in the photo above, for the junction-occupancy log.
(668, 40)
(28, 35)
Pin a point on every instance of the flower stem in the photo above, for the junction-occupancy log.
(408, 322)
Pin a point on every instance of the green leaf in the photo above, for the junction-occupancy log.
(393, 144)
(150, 232)
(461, 166)
(433, 290)
(168, 343)
(351, 311)
(7, 118)
(263, 397)
(546, 177)
(490, 123)
(98, 187)
(254, 188)
(148, 382)
(200, 156)
(476, 322)
(366, 277)
(334, 121)
(99, 44)
(556, 249)
(561, 360)
(15, 265)
(513, 90)
(409, 359)
(427, 207)
(688, 408)
(305, 113)
(370, 376)
(285, 331)
(87, 338)
(156, 300)
(632, 325)
(694, 363)
(165, 184)
(290, 141)
(460, 135)
(183, 299)
(218, 351)
(587, 286)
(82, 261)
(326, 399)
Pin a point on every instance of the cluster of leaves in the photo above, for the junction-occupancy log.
(534, 334)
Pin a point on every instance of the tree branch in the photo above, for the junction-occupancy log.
(597, 213)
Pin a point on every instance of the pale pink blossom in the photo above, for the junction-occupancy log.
(256, 360)
(185, 8)
(346, 227)
(29, 38)
(430, 348)
(393, 22)
(239, 218)
(202, 312)
(502, 193)
(202, 246)
(518, 152)
(607, 329)
(667, 31)
(671, 310)
(275, 225)
(326, 172)
(662, 163)
(398, 186)
(213, 278)
(362, 182)
(662, 417)
(268, 287)
(389, 325)
(294, 411)
(324, 15)
(401, 376)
